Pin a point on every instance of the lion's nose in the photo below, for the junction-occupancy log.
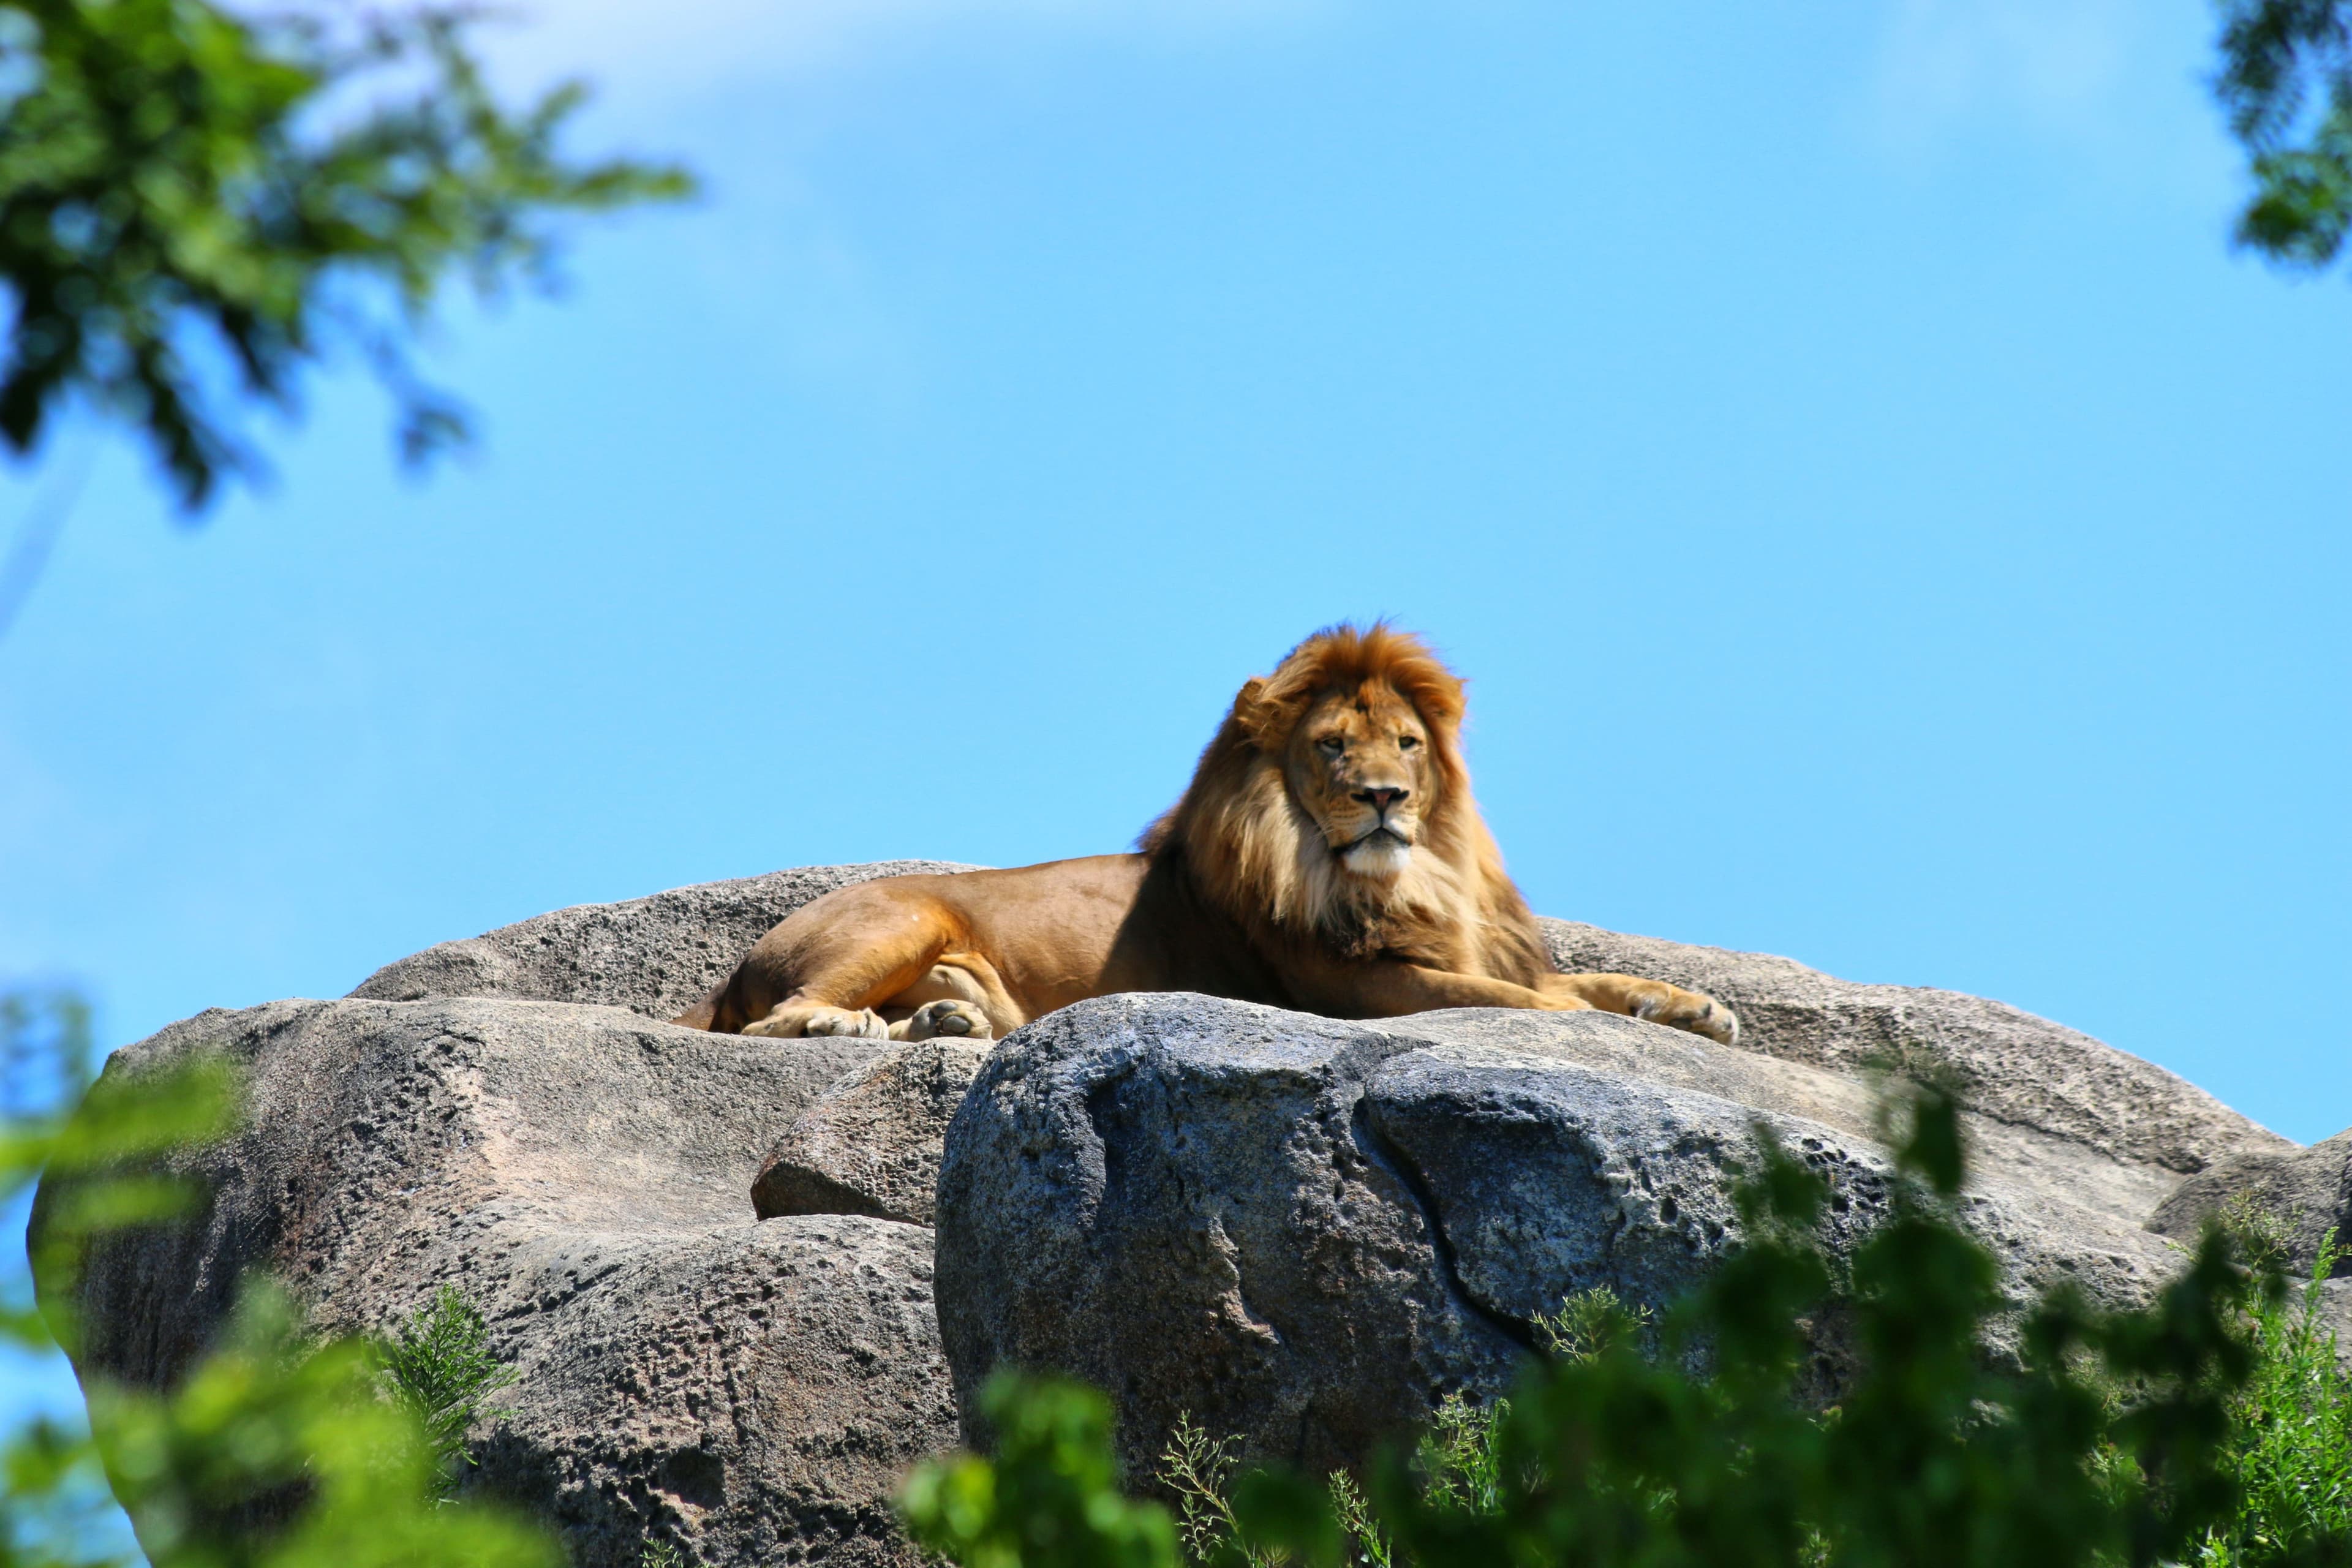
(1379, 800)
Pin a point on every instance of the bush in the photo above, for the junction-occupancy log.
(1050, 1496)
(2290, 1448)
(439, 1367)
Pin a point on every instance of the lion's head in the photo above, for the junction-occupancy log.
(1334, 804)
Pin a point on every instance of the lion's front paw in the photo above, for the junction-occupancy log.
(1692, 1010)
(947, 1018)
(790, 1020)
(853, 1023)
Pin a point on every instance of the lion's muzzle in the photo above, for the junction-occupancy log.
(1382, 852)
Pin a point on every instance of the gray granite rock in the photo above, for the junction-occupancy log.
(1307, 1232)
(1300, 1229)
(2009, 1064)
(657, 956)
(1171, 1198)
(2305, 1193)
(753, 1391)
(870, 1143)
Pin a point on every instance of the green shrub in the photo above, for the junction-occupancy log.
(282, 1454)
(439, 1367)
(2291, 1447)
(1049, 1497)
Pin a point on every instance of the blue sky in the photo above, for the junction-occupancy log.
(1881, 518)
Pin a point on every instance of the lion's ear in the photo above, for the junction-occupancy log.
(1251, 711)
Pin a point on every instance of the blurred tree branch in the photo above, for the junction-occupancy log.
(180, 187)
(2286, 83)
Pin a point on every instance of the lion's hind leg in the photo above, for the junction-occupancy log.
(945, 1019)
(834, 964)
(962, 996)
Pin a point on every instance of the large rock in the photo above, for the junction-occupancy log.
(870, 1144)
(1298, 1228)
(2303, 1195)
(2306, 1194)
(2013, 1066)
(657, 956)
(753, 1391)
(1305, 1232)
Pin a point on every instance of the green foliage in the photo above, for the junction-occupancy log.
(1458, 1464)
(90, 1140)
(1050, 1497)
(1197, 1471)
(2286, 83)
(275, 1451)
(438, 1367)
(45, 1051)
(1591, 1324)
(1366, 1543)
(1614, 1451)
(177, 180)
(2291, 1451)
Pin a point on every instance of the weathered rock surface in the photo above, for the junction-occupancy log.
(753, 1391)
(2019, 1069)
(870, 1144)
(657, 956)
(1306, 1232)
(1299, 1229)
(2306, 1192)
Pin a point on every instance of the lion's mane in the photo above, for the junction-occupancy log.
(1256, 852)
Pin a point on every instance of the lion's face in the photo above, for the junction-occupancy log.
(1359, 763)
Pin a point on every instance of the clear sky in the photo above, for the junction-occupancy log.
(1880, 518)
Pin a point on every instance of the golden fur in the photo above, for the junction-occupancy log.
(1328, 856)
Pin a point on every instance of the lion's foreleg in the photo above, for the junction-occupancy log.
(1388, 989)
(1652, 999)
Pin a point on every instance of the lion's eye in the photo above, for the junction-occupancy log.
(1407, 742)
(1331, 746)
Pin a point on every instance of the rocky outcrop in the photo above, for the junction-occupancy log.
(657, 956)
(2300, 1195)
(2305, 1194)
(871, 1143)
(751, 1390)
(2014, 1067)
(1307, 1232)
(1300, 1230)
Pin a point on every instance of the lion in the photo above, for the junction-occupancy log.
(1327, 858)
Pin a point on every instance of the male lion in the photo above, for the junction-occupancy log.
(1328, 856)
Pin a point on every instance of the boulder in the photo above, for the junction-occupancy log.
(657, 956)
(870, 1144)
(2302, 1193)
(1300, 1230)
(1306, 1232)
(2305, 1193)
(2019, 1069)
(751, 1390)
